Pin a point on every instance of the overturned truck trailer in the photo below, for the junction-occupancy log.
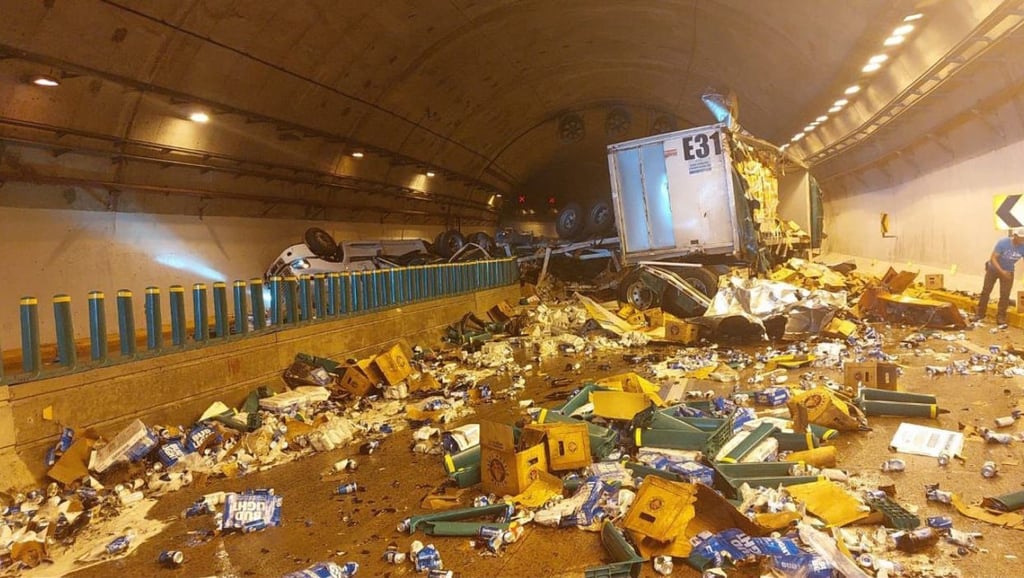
(700, 201)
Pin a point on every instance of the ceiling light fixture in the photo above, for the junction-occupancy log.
(913, 17)
(878, 59)
(903, 30)
(357, 155)
(871, 67)
(797, 136)
(894, 40)
(821, 118)
(44, 80)
(430, 173)
(852, 90)
(841, 102)
(835, 109)
(810, 127)
(199, 116)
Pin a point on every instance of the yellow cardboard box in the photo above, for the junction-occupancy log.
(393, 365)
(661, 509)
(934, 281)
(503, 470)
(874, 374)
(680, 331)
(568, 445)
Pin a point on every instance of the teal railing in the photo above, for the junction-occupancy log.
(292, 301)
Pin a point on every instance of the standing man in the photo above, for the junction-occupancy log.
(1000, 266)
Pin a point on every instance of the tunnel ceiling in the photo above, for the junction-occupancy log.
(500, 97)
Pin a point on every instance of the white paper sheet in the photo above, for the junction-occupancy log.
(926, 441)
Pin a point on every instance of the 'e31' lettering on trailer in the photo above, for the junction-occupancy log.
(701, 146)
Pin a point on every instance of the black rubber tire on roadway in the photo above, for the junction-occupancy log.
(600, 219)
(449, 242)
(571, 222)
(320, 242)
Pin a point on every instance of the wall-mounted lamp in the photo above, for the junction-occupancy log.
(44, 80)
(357, 155)
(199, 116)
(430, 173)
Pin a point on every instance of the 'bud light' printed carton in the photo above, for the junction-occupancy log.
(240, 510)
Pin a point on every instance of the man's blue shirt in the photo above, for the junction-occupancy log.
(1007, 253)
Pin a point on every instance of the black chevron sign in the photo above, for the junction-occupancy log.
(1006, 216)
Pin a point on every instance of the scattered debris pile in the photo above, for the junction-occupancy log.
(713, 449)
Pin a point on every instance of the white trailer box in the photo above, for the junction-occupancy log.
(673, 194)
(677, 196)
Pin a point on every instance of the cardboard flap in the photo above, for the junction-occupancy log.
(497, 436)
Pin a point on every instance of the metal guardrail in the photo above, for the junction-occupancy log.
(293, 301)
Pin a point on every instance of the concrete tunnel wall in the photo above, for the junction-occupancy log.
(941, 221)
(175, 388)
(74, 252)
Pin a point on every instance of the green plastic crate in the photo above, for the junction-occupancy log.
(626, 560)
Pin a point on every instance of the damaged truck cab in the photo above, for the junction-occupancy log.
(694, 203)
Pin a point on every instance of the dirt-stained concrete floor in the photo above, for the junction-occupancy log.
(318, 525)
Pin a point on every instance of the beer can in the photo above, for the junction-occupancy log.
(349, 488)
(989, 469)
(394, 557)
(1006, 421)
(172, 558)
(253, 526)
(941, 522)
(67, 436)
(894, 465)
(439, 573)
(488, 532)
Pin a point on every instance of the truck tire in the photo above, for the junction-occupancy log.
(320, 242)
(600, 219)
(483, 240)
(702, 279)
(641, 290)
(571, 222)
(449, 242)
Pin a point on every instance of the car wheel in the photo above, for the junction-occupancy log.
(571, 222)
(320, 242)
(600, 219)
(449, 243)
(484, 241)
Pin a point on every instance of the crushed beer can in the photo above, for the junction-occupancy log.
(326, 570)
(120, 544)
(428, 558)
